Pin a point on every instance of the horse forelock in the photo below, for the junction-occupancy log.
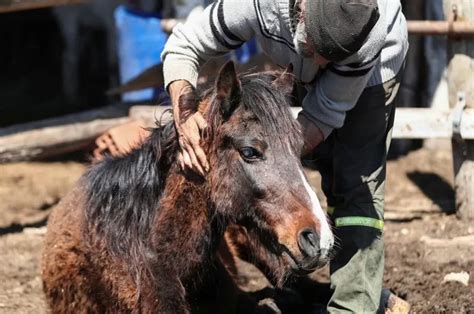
(268, 104)
(272, 107)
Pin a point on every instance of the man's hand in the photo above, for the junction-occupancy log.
(121, 139)
(312, 135)
(189, 125)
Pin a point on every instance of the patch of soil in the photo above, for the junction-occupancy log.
(28, 190)
(415, 270)
(20, 279)
(418, 193)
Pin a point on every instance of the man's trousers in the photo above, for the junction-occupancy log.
(352, 163)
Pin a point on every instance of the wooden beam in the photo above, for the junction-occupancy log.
(21, 5)
(440, 28)
(410, 123)
(151, 77)
(46, 138)
(56, 136)
(424, 123)
(50, 137)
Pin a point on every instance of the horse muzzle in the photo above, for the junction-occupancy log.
(311, 256)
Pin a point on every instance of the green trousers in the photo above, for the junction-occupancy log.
(352, 163)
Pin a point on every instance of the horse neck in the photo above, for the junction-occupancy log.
(186, 232)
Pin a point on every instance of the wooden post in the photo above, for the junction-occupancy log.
(461, 79)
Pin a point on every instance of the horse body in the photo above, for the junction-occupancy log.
(82, 274)
(137, 234)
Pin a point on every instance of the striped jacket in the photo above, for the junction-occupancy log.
(226, 25)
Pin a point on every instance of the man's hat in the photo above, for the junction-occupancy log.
(338, 28)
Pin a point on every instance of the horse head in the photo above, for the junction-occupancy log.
(256, 178)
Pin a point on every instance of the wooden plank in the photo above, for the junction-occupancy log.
(41, 139)
(106, 112)
(440, 28)
(150, 78)
(424, 123)
(410, 123)
(51, 137)
(21, 5)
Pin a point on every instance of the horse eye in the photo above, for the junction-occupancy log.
(250, 153)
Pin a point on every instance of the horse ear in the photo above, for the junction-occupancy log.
(228, 89)
(286, 81)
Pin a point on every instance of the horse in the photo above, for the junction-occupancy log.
(139, 234)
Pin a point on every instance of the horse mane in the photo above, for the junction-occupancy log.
(123, 193)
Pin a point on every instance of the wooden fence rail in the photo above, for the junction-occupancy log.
(424, 123)
(50, 137)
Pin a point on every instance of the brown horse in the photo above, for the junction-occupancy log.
(137, 234)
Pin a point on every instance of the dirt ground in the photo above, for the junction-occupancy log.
(419, 210)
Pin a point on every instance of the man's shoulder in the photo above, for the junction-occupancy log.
(266, 6)
(263, 4)
(269, 9)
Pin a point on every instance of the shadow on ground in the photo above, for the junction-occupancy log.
(436, 189)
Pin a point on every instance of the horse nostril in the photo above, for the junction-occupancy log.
(308, 242)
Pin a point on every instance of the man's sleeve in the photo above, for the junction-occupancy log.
(223, 26)
(340, 85)
(335, 93)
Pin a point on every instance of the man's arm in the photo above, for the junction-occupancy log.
(331, 97)
(340, 85)
(223, 26)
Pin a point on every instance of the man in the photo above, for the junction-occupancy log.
(349, 55)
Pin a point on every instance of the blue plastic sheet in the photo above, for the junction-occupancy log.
(140, 43)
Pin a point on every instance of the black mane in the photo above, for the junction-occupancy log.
(123, 193)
